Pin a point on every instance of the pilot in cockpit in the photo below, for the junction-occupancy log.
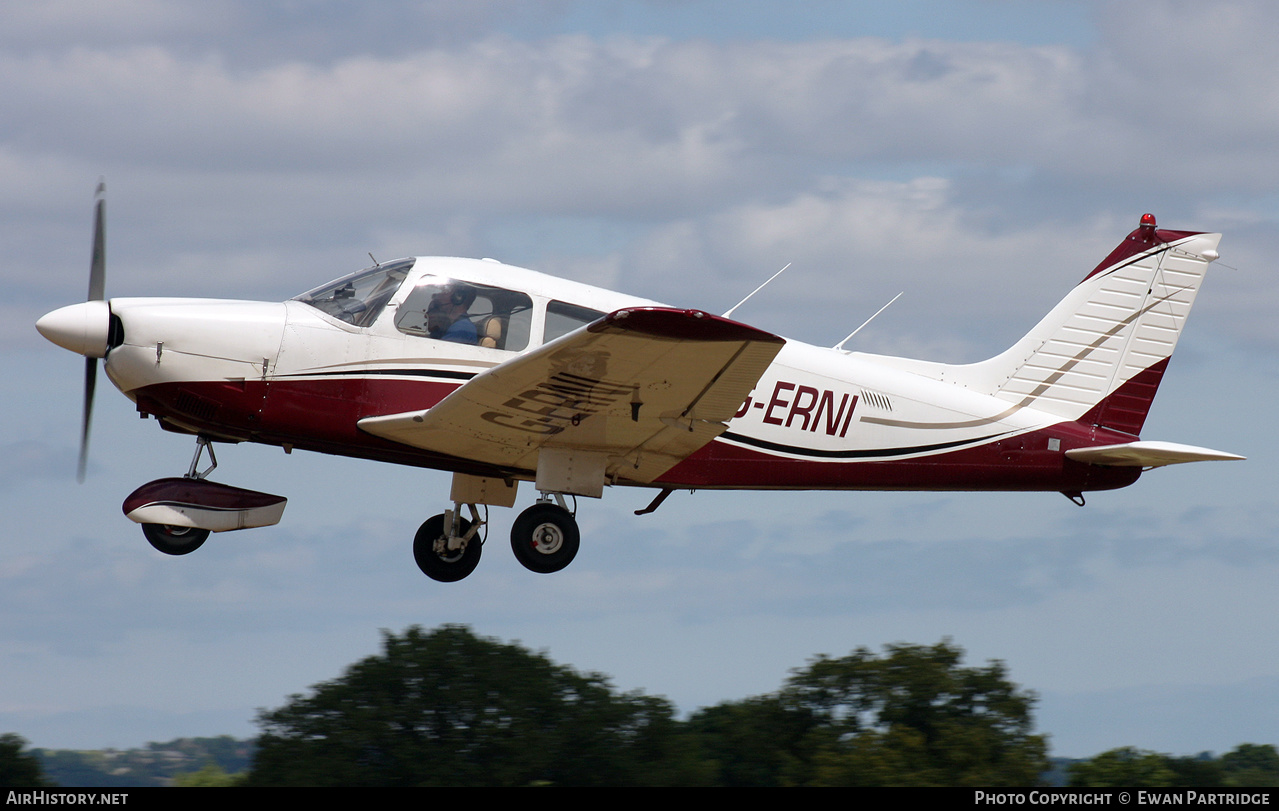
(446, 316)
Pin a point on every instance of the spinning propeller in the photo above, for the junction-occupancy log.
(85, 328)
(97, 284)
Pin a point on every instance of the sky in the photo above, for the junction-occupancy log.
(981, 156)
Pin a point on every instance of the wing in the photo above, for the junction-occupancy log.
(624, 398)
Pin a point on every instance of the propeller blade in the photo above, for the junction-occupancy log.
(90, 382)
(98, 264)
(97, 291)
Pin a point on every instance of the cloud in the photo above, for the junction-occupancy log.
(257, 33)
(971, 286)
(634, 128)
(942, 168)
(574, 123)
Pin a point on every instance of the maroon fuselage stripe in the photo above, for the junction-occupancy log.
(320, 415)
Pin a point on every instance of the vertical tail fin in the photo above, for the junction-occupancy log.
(1100, 354)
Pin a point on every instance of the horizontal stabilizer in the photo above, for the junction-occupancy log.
(1147, 454)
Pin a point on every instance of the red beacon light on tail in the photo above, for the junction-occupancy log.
(1146, 230)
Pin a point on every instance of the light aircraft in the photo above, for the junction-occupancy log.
(504, 375)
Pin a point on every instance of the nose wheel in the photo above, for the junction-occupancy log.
(545, 538)
(173, 540)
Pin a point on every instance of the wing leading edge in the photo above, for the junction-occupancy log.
(624, 398)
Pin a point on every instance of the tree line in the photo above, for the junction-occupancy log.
(447, 707)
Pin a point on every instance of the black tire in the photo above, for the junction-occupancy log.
(545, 538)
(448, 568)
(173, 540)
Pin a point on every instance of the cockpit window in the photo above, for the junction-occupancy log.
(563, 318)
(357, 299)
(466, 313)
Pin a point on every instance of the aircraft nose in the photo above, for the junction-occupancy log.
(82, 328)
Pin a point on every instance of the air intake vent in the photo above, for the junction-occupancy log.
(877, 400)
(195, 406)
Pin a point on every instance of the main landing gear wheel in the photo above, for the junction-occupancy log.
(173, 540)
(545, 538)
(435, 559)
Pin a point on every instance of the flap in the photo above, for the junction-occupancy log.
(647, 386)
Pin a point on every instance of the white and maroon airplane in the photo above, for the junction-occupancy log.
(501, 375)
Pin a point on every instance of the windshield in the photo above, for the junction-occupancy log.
(358, 298)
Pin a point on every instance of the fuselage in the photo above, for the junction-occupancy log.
(302, 373)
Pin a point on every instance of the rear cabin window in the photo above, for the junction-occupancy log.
(563, 318)
(466, 313)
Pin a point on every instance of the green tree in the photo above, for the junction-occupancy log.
(450, 708)
(1246, 765)
(915, 716)
(1125, 766)
(1199, 771)
(756, 742)
(1251, 765)
(210, 776)
(18, 768)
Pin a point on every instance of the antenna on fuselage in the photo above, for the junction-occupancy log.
(376, 263)
(840, 345)
(756, 290)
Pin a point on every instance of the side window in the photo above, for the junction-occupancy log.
(562, 318)
(475, 314)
